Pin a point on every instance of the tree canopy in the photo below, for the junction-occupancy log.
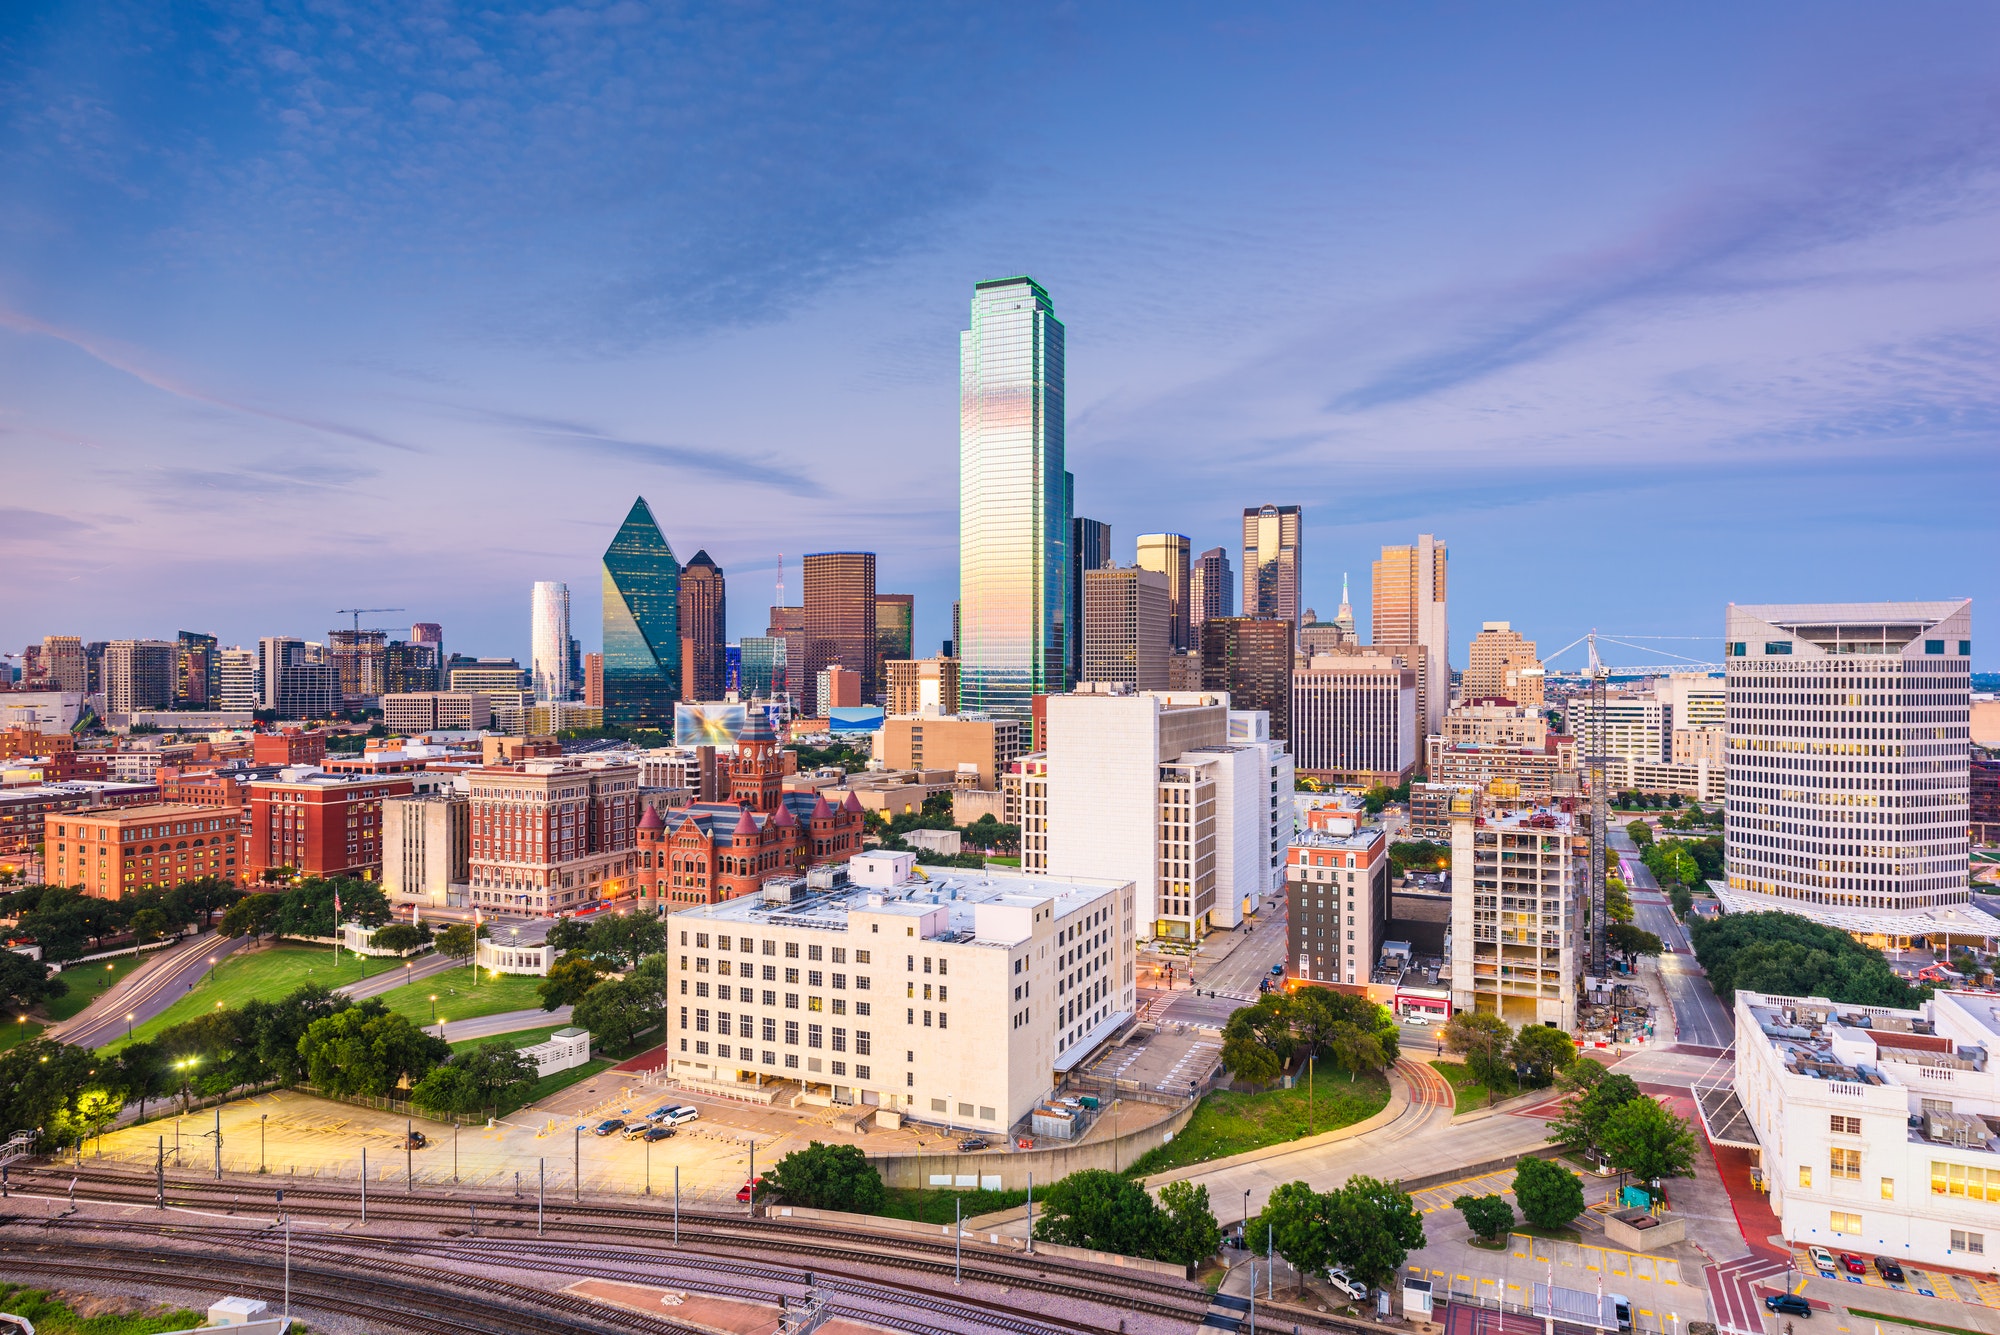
(1486, 1042)
(828, 1177)
(1646, 1140)
(1366, 1227)
(1259, 1040)
(1792, 956)
(1489, 1217)
(1549, 1194)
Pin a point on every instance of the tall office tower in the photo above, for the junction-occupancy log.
(1271, 563)
(1344, 619)
(1167, 553)
(93, 666)
(951, 645)
(788, 627)
(138, 674)
(1089, 549)
(240, 688)
(1409, 609)
(1501, 664)
(359, 662)
(1211, 591)
(1848, 766)
(1127, 627)
(408, 667)
(1251, 658)
(839, 620)
(923, 686)
(895, 634)
(642, 632)
(431, 633)
(1354, 720)
(63, 663)
(593, 681)
(275, 654)
(548, 648)
(298, 682)
(763, 672)
(704, 629)
(1013, 519)
(196, 671)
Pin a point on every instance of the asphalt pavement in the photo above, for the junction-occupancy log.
(1700, 1018)
(389, 980)
(159, 983)
(507, 1022)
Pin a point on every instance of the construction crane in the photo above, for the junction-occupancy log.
(356, 613)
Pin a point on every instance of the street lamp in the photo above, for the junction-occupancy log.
(434, 1007)
(129, 1017)
(261, 1117)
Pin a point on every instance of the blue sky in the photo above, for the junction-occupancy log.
(1642, 309)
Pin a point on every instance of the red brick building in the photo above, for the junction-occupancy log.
(114, 852)
(707, 852)
(320, 824)
(553, 835)
(288, 748)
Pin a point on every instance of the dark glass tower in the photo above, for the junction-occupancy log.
(642, 643)
(704, 632)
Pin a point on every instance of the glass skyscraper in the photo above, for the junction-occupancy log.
(1013, 502)
(1271, 562)
(642, 643)
(548, 650)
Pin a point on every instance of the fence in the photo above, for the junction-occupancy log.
(161, 944)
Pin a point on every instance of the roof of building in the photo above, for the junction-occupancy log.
(1949, 920)
(149, 811)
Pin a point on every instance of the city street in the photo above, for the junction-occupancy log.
(1701, 1018)
(164, 979)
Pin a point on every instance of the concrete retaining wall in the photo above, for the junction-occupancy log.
(910, 1227)
(1013, 1166)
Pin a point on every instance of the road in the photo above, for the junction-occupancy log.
(158, 984)
(507, 1022)
(1700, 1018)
(420, 968)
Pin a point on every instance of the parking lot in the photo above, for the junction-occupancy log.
(1919, 1280)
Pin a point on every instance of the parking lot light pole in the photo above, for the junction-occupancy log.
(576, 1165)
(409, 1154)
(262, 1118)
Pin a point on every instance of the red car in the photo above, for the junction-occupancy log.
(1853, 1264)
(743, 1192)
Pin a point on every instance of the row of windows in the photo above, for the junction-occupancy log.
(748, 996)
(771, 1058)
(748, 946)
(813, 977)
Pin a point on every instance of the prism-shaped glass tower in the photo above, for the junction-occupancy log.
(642, 641)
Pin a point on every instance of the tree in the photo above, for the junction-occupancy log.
(25, 982)
(1682, 900)
(617, 1011)
(1101, 1210)
(568, 934)
(829, 1177)
(1375, 1226)
(1646, 1140)
(400, 937)
(1550, 1195)
(1485, 1041)
(1188, 1232)
(1640, 833)
(41, 1082)
(366, 1049)
(1791, 956)
(253, 915)
(568, 980)
(446, 1089)
(1541, 1053)
(149, 924)
(1294, 1223)
(1250, 1061)
(1630, 940)
(500, 1071)
(620, 940)
(1583, 1116)
(308, 906)
(1356, 1052)
(1489, 1217)
(456, 941)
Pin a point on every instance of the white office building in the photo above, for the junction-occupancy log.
(1635, 727)
(1848, 767)
(240, 681)
(948, 996)
(548, 664)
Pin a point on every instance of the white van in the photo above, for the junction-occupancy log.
(681, 1116)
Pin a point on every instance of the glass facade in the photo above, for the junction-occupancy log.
(1014, 532)
(762, 672)
(548, 659)
(642, 645)
(1271, 562)
(895, 630)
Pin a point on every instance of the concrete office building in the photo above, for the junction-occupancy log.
(1271, 563)
(923, 686)
(1337, 884)
(1693, 700)
(1410, 610)
(1517, 945)
(1848, 753)
(138, 674)
(839, 622)
(836, 687)
(1635, 726)
(1494, 725)
(1127, 627)
(552, 835)
(485, 675)
(704, 627)
(1013, 634)
(1536, 771)
(1211, 591)
(1354, 719)
(1167, 554)
(426, 847)
(958, 1000)
(436, 711)
(1500, 664)
(1250, 658)
(982, 748)
(241, 685)
(64, 666)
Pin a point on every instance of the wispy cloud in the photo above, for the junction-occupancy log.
(745, 470)
(23, 525)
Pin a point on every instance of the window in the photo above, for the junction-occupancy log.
(770, 948)
(937, 1105)
(792, 1032)
(814, 978)
(1846, 1126)
(792, 1060)
(1805, 1175)
(1846, 1165)
(839, 982)
(1843, 1222)
(1955, 1179)
(863, 1008)
(965, 1110)
(770, 1031)
(770, 997)
(1933, 646)
(813, 952)
(1888, 1188)
(791, 1001)
(860, 957)
(862, 1046)
(791, 950)
(815, 1036)
(1975, 1243)
(701, 1021)
(770, 975)
(839, 1039)
(791, 975)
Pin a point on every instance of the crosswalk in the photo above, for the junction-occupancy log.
(1732, 1292)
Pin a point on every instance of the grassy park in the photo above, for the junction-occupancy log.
(1466, 1091)
(460, 997)
(88, 982)
(1229, 1122)
(267, 974)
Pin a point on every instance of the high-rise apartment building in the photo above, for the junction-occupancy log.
(593, 681)
(1517, 881)
(432, 634)
(704, 629)
(1127, 627)
(1354, 719)
(1500, 664)
(1271, 571)
(197, 674)
(895, 633)
(548, 653)
(1409, 610)
(138, 674)
(1847, 766)
(1014, 531)
(1494, 725)
(839, 621)
(1089, 549)
(240, 682)
(923, 686)
(1337, 882)
(1211, 591)
(63, 663)
(642, 633)
(1168, 554)
(1251, 658)
(359, 659)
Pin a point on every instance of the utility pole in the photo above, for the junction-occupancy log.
(576, 1166)
(409, 1156)
(364, 1184)
(677, 1205)
(1031, 1214)
(288, 1257)
(541, 1198)
(160, 1173)
(218, 1142)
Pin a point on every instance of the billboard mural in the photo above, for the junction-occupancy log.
(708, 724)
(851, 718)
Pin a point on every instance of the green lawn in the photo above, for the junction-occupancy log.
(933, 1205)
(1229, 1123)
(54, 1317)
(520, 1038)
(458, 998)
(88, 982)
(16, 1032)
(1466, 1091)
(270, 974)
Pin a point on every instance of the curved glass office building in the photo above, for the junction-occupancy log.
(1013, 502)
(642, 642)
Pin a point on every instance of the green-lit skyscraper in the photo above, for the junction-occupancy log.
(642, 642)
(1013, 502)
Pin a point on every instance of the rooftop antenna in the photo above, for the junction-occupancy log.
(781, 579)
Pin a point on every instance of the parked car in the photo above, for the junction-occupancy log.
(1854, 1264)
(416, 1140)
(1789, 1304)
(1621, 1307)
(681, 1116)
(634, 1130)
(1889, 1269)
(663, 1110)
(971, 1144)
(610, 1125)
(1822, 1258)
(658, 1133)
(1347, 1284)
(1278, 970)
(743, 1192)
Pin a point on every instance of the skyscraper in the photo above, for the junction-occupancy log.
(197, 673)
(1409, 610)
(1251, 658)
(431, 633)
(839, 620)
(1167, 553)
(1211, 591)
(1013, 506)
(1271, 562)
(704, 629)
(1344, 619)
(642, 637)
(1501, 663)
(1127, 624)
(1089, 549)
(548, 655)
(895, 633)
(138, 675)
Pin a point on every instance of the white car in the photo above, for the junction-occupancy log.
(1353, 1288)
(681, 1116)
